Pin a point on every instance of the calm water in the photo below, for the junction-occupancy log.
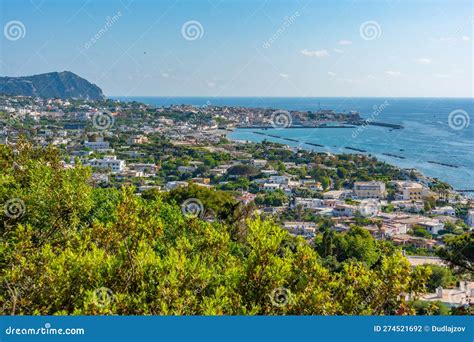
(427, 136)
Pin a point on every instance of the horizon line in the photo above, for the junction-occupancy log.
(292, 97)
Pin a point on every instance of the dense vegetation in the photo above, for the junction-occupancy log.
(69, 248)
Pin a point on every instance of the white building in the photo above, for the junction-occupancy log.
(270, 187)
(344, 210)
(409, 206)
(308, 203)
(470, 218)
(260, 163)
(175, 184)
(97, 145)
(300, 227)
(369, 189)
(462, 295)
(311, 184)
(433, 226)
(278, 180)
(448, 210)
(111, 163)
(189, 169)
(335, 194)
(145, 167)
(409, 191)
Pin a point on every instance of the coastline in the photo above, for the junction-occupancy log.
(350, 150)
(426, 134)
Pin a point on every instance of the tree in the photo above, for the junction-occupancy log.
(243, 170)
(275, 198)
(421, 232)
(357, 244)
(430, 308)
(458, 251)
(325, 182)
(440, 276)
(79, 250)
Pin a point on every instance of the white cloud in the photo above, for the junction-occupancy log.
(282, 75)
(332, 74)
(315, 53)
(443, 39)
(338, 50)
(451, 39)
(442, 75)
(393, 74)
(211, 84)
(423, 60)
(165, 75)
(345, 42)
(371, 77)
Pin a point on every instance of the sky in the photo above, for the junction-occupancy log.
(386, 48)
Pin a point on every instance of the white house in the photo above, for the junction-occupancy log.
(470, 218)
(308, 203)
(344, 210)
(113, 164)
(371, 189)
(190, 169)
(409, 191)
(334, 194)
(433, 226)
(448, 210)
(260, 163)
(175, 184)
(300, 227)
(270, 187)
(97, 145)
(279, 180)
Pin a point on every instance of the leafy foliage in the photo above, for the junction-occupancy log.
(459, 252)
(74, 241)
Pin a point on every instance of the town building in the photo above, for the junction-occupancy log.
(371, 189)
(110, 163)
(409, 191)
(97, 145)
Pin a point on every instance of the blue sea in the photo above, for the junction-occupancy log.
(435, 129)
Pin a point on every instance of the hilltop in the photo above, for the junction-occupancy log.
(62, 85)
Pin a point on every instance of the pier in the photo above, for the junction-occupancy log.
(298, 126)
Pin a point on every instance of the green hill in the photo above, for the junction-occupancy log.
(62, 85)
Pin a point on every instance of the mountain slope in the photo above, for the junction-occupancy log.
(63, 85)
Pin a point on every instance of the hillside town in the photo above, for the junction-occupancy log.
(165, 148)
